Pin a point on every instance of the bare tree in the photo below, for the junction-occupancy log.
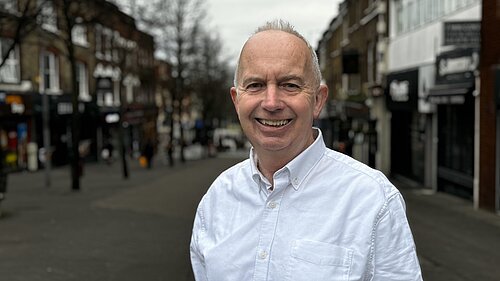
(18, 22)
(176, 25)
(212, 78)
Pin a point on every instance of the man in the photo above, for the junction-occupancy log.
(296, 210)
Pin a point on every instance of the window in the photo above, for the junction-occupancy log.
(411, 16)
(49, 73)
(98, 41)
(107, 43)
(440, 8)
(370, 61)
(47, 16)
(10, 72)
(79, 34)
(82, 81)
(399, 17)
(419, 13)
(8, 5)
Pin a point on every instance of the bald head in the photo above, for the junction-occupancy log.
(277, 28)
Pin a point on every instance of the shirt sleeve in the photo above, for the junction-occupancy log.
(394, 253)
(197, 259)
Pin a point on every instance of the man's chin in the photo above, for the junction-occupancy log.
(272, 146)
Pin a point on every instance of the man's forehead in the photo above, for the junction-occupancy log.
(274, 40)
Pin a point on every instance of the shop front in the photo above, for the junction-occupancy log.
(16, 112)
(453, 96)
(407, 144)
(60, 117)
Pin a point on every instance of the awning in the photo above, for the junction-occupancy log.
(454, 93)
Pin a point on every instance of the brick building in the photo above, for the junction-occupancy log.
(351, 54)
(114, 79)
(489, 113)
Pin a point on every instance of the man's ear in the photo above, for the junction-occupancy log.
(320, 100)
(234, 98)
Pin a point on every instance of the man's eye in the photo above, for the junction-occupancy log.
(290, 87)
(254, 87)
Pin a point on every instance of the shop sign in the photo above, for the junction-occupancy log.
(452, 99)
(399, 90)
(65, 108)
(462, 33)
(402, 90)
(112, 118)
(15, 102)
(457, 65)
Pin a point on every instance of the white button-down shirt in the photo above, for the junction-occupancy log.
(327, 217)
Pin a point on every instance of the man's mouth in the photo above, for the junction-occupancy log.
(273, 123)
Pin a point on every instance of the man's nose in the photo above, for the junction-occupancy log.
(272, 98)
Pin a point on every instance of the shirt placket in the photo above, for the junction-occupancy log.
(268, 228)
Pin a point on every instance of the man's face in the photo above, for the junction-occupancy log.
(276, 97)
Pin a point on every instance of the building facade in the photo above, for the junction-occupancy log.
(352, 59)
(489, 113)
(114, 80)
(428, 74)
(431, 92)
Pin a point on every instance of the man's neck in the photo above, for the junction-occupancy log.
(268, 165)
(268, 162)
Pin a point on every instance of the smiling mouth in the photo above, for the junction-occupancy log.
(274, 123)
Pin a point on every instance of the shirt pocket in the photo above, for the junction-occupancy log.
(318, 261)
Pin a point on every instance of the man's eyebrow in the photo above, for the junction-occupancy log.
(289, 77)
(251, 79)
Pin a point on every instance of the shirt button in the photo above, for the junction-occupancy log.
(295, 181)
(263, 255)
(272, 205)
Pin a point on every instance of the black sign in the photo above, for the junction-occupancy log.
(457, 66)
(463, 33)
(402, 90)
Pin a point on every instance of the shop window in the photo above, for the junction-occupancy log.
(9, 73)
(456, 137)
(49, 73)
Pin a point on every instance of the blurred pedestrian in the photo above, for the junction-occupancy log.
(107, 152)
(3, 177)
(296, 210)
(148, 153)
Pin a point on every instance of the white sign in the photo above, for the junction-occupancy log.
(399, 90)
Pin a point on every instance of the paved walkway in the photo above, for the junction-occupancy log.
(139, 229)
(113, 229)
(454, 241)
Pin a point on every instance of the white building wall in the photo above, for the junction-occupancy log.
(415, 39)
(421, 43)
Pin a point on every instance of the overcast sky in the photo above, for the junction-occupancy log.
(236, 20)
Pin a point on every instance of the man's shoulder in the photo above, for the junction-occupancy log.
(226, 187)
(236, 170)
(239, 172)
(358, 172)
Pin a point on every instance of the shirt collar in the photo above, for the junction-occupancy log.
(300, 166)
(256, 176)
